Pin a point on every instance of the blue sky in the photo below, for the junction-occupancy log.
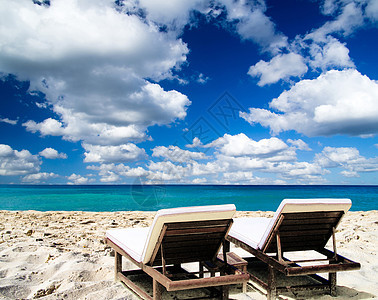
(189, 92)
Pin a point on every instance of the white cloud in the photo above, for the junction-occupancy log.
(330, 54)
(47, 127)
(167, 171)
(337, 102)
(109, 177)
(302, 171)
(14, 162)
(196, 143)
(253, 24)
(199, 181)
(8, 121)
(176, 154)
(350, 18)
(38, 177)
(51, 153)
(334, 157)
(372, 10)
(202, 78)
(348, 158)
(174, 13)
(241, 145)
(299, 144)
(112, 154)
(75, 179)
(238, 176)
(91, 61)
(282, 66)
(113, 172)
(239, 159)
(349, 174)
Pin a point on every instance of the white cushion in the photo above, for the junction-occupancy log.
(131, 240)
(249, 230)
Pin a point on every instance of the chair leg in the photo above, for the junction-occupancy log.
(272, 287)
(225, 290)
(157, 290)
(118, 265)
(332, 284)
(201, 270)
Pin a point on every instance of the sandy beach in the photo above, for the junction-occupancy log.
(62, 255)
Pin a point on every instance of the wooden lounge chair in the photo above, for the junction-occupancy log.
(297, 225)
(177, 236)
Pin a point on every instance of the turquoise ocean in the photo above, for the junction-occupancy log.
(154, 197)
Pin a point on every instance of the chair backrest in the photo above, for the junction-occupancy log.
(304, 224)
(184, 242)
(188, 234)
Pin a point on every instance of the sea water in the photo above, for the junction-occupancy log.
(154, 197)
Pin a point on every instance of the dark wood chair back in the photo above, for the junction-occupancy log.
(183, 242)
(303, 231)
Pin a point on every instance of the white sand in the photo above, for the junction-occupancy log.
(62, 255)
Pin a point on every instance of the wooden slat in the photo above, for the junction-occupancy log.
(194, 231)
(208, 282)
(168, 252)
(298, 239)
(316, 226)
(301, 221)
(313, 215)
(198, 224)
(305, 270)
(187, 243)
(300, 232)
(198, 237)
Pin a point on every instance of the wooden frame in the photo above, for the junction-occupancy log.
(300, 231)
(183, 242)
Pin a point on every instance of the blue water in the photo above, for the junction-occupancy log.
(148, 198)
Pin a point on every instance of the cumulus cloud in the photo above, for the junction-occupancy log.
(175, 13)
(92, 68)
(348, 158)
(349, 17)
(38, 177)
(253, 24)
(112, 154)
(319, 49)
(337, 102)
(176, 154)
(14, 162)
(330, 54)
(199, 181)
(75, 179)
(241, 145)
(238, 176)
(111, 172)
(242, 160)
(299, 144)
(234, 154)
(282, 66)
(372, 10)
(8, 121)
(51, 153)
